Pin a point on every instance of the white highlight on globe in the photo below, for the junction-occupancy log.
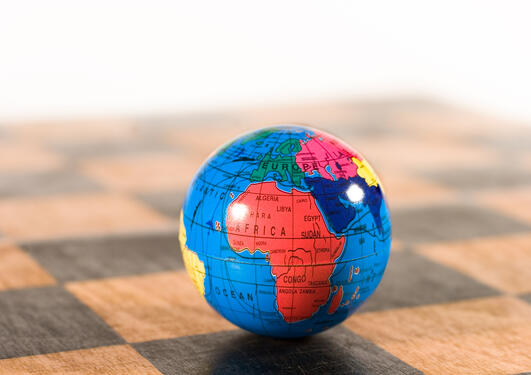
(355, 194)
(239, 211)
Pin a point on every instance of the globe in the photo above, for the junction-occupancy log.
(285, 231)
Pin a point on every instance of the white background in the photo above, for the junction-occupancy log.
(64, 58)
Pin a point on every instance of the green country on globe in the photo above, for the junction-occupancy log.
(285, 231)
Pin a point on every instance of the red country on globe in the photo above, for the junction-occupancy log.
(288, 228)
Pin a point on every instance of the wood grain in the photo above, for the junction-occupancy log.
(110, 360)
(150, 307)
(19, 270)
(502, 262)
(75, 214)
(482, 336)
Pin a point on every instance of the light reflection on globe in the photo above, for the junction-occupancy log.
(285, 231)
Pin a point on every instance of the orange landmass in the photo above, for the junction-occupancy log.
(289, 228)
(336, 300)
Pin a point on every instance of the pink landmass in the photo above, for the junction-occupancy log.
(328, 156)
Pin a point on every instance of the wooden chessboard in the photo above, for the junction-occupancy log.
(92, 280)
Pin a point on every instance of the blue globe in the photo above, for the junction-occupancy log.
(285, 231)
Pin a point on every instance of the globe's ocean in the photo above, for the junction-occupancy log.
(240, 284)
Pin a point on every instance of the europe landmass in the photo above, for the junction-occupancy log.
(282, 166)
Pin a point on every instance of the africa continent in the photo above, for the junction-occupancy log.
(289, 228)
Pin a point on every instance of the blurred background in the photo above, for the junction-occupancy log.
(87, 85)
(64, 59)
(100, 95)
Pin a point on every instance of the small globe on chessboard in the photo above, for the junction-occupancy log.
(285, 231)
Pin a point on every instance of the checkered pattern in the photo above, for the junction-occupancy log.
(92, 281)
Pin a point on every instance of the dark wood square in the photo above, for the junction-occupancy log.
(337, 351)
(45, 183)
(46, 320)
(108, 256)
(412, 280)
(480, 178)
(450, 222)
(168, 203)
